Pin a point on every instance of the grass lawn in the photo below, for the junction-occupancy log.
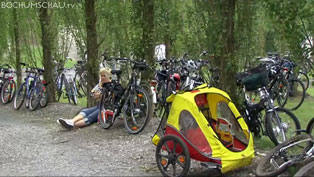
(81, 101)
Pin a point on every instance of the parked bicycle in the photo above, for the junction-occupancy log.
(133, 100)
(279, 124)
(80, 78)
(7, 84)
(66, 83)
(296, 87)
(31, 89)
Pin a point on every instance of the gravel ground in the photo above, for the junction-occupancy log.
(33, 144)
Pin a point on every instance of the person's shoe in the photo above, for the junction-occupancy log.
(67, 124)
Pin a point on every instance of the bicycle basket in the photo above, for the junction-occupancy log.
(255, 78)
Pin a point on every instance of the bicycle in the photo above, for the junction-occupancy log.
(133, 100)
(296, 87)
(7, 84)
(279, 123)
(299, 149)
(80, 78)
(69, 84)
(31, 89)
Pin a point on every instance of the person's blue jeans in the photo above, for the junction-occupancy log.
(90, 115)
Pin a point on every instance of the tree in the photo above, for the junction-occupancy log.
(92, 48)
(148, 34)
(47, 45)
(227, 61)
(17, 47)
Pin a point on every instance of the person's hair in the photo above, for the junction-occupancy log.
(106, 72)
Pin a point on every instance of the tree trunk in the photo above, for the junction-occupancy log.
(92, 49)
(47, 45)
(228, 65)
(168, 47)
(17, 48)
(148, 32)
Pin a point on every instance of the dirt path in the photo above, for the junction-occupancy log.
(32, 143)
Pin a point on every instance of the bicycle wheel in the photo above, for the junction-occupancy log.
(44, 98)
(105, 121)
(67, 90)
(137, 110)
(73, 93)
(8, 91)
(310, 127)
(281, 125)
(172, 156)
(77, 80)
(59, 83)
(19, 96)
(307, 170)
(35, 96)
(296, 94)
(305, 79)
(284, 155)
(281, 90)
(83, 82)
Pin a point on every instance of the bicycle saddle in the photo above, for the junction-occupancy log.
(40, 70)
(117, 72)
(5, 71)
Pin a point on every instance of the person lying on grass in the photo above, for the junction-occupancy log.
(89, 115)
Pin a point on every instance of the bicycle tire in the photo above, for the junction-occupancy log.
(44, 98)
(38, 91)
(267, 166)
(20, 95)
(282, 91)
(304, 79)
(59, 90)
(5, 99)
(104, 122)
(307, 170)
(180, 156)
(310, 127)
(73, 93)
(78, 85)
(83, 82)
(296, 94)
(274, 132)
(132, 125)
(67, 89)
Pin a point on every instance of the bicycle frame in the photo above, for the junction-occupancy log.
(29, 85)
(266, 104)
(132, 84)
(60, 82)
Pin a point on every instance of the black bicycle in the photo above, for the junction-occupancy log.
(80, 78)
(279, 124)
(133, 100)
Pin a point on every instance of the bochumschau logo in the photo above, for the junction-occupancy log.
(34, 4)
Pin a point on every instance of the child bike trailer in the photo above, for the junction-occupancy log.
(204, 125)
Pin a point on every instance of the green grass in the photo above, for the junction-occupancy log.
(81, 101)
(69, 64)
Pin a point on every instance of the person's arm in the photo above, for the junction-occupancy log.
(96, 92)
(97, 95)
